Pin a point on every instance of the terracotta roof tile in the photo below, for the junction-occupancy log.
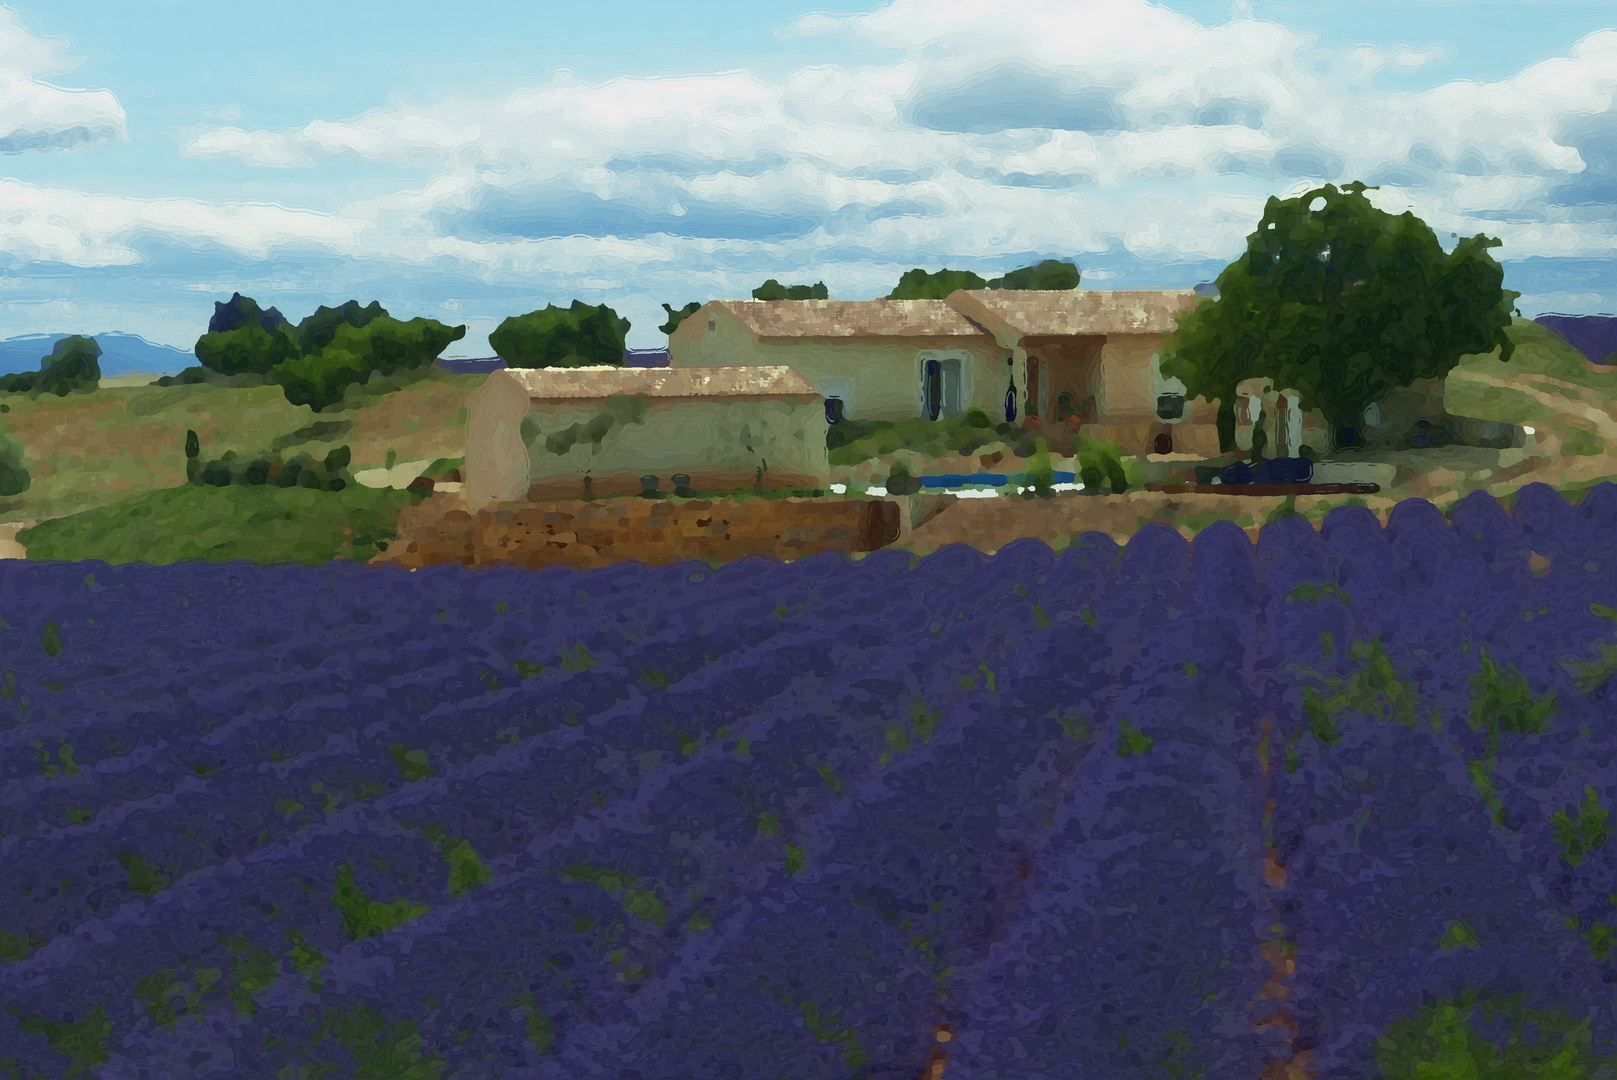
(1077, 311)
(545, 384)
(848, 318)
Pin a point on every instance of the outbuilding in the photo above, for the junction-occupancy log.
(567, 433)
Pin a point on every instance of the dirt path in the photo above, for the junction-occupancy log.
(1572, 469)
(1605, 426)
(9, 548)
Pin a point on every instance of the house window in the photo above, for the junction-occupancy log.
(712, 325)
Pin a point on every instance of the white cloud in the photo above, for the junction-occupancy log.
(37, 115)
(1070, 127)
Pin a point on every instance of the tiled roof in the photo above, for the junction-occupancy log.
(544, 384)
(1076, 311)
(848, 318)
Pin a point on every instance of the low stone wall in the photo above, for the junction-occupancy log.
(440, 530)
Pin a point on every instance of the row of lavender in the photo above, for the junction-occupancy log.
(787, 820)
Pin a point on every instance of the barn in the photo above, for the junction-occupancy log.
(568, 433)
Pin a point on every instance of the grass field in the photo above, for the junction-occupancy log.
(92, 451)
(207, 524)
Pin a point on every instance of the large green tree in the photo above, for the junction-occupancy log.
(918, 284)
(1341, 302)
(578, 336)
(317, 331)
(1052, 274)
(72, 367)
(75, 364)
(677, 317)
(383, 344)
(774, 290)
(243, 339)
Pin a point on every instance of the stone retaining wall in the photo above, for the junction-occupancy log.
(440, 530)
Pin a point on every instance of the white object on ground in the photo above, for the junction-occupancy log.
(399, 476)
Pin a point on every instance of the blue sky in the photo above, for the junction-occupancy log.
(468, 162)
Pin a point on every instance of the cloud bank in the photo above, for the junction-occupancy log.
(37, 115)
(1118, 132)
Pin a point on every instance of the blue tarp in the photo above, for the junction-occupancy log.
(989, 480)
(1296, 470)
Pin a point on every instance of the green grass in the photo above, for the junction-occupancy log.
(256, 524)
(1539, 352)
(1582, 443)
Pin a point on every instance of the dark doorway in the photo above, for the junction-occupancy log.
(1033, 385)
(951, 386)
(932, 389)
(833, 410)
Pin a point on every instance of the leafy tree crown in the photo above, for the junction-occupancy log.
(918, 284)
(1342, 302)
(677, 317)
(774, 290)
(578, 336)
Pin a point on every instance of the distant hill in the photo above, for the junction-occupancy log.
(121, 354)
(1595, 336)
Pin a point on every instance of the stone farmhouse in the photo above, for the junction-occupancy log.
(1057, 358)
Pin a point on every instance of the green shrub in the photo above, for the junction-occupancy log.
(249, 349)
(581, 335)
(853, 441)
(1043, 472)
(302, 470)
(1440, 1041)
(14, 478)
(195, 376)
(318, 381)
(72, 368)
(1101, 462)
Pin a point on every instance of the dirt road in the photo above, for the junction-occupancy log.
(9, 548)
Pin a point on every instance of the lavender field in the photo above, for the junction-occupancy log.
(795, 820)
